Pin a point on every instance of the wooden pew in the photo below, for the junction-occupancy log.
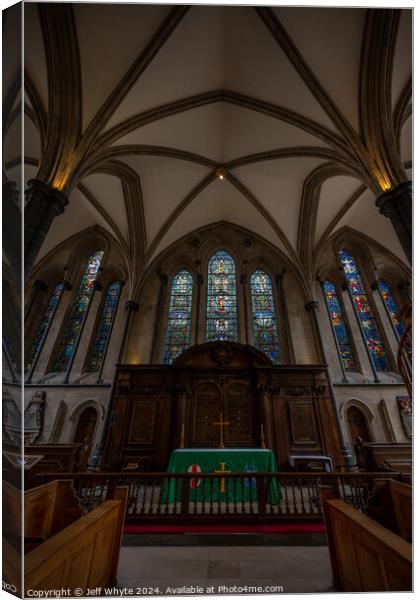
(365, 556)
(392, 507)
(84, 555)
(49, 508)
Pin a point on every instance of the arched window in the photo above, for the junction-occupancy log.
(339, 328)
(265, 327)
(221, 298)
(104, 328)
(365, 315)
(178, 328)
(392, 308)
(78, 311)
(44, 325)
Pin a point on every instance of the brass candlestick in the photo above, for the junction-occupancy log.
(262, 438)
(182, 437)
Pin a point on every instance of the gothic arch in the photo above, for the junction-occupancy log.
(364, 410)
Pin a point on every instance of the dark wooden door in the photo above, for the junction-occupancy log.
(235, 402)
(358, 427)
(84, 435)
(207, 407)
(239, 412)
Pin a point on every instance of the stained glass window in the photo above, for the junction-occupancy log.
(365, 315)
(392, 307)
(221, 299)
(178, 326)
(78, 311)
(338, 324)
(265, 327)
(44, 325)
(104, 327)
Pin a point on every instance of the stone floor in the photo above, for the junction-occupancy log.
(225, 569)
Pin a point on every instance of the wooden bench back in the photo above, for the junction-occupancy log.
(365, 556)
(83, 555)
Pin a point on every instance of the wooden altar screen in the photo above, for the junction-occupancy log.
(151, 403)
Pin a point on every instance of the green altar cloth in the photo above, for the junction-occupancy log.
(210, 460)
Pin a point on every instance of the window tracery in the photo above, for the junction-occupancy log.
(365, 315)
(178, 326)
(104, 327)
(392, 308)
(339, 327)
(265, 326)
(78, 311)
(44, 325)
(221, 322)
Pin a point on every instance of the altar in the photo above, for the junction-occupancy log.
(222, 461)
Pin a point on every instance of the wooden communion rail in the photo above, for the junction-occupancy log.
(157, 497)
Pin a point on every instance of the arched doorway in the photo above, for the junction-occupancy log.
(85, 431)
(359, 434)
(358, 426)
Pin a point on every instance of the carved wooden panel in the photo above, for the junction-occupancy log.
(206, 411)
(238, 410)
(143, 421)
(303, 424)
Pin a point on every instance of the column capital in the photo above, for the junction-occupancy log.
(40, 285)
(396, 205)
(131, 305)
(43, 191)
(312, 305)
(387, 200)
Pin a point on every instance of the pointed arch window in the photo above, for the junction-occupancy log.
(392, 308)
(265, 326)
(178, 328)
(104, 328)
(365, 315)
(44, 326)
(221, 298)
(339, 327)
(78, 311)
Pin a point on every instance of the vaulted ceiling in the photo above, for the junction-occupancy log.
(131, 110)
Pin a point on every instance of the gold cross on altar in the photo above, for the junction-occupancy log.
(222, 480)
(221, 424)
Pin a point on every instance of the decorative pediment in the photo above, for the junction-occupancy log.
(222, 354)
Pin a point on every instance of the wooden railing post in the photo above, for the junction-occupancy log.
(184, 507)
(261, 496)
(110, 492)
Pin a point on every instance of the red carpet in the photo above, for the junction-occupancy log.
(283, 528)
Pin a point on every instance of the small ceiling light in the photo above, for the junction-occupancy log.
(221, 173)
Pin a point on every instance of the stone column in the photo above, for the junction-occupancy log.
(158, 319)
(199, 283)
(243, 281)
(283, 315)
(396, 204)
(12, 234)
(43, 204)
(130, 307)
(38, 286)
(312, 307)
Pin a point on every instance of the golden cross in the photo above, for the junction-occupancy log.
(221, 423)
(222, 480)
